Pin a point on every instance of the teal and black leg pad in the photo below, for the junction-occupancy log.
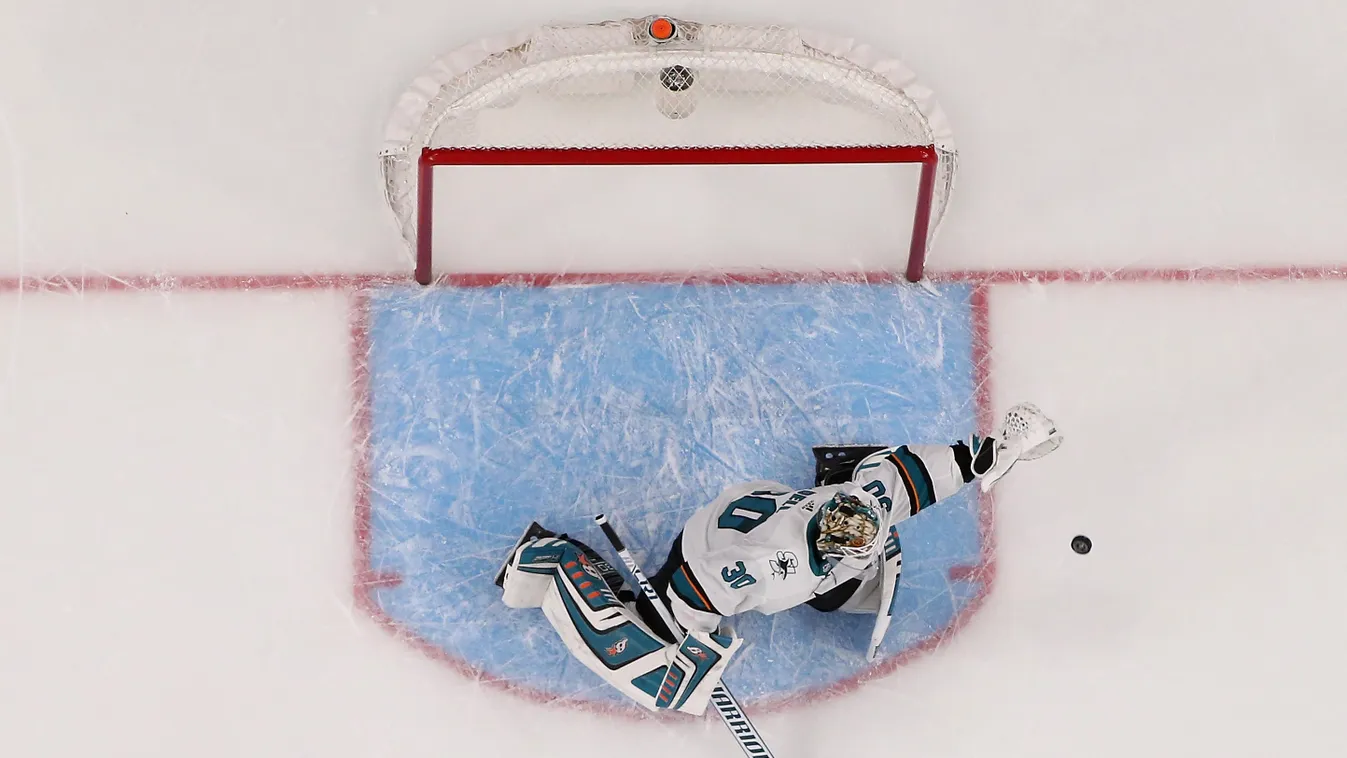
(534, 532)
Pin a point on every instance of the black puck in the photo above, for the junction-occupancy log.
(676, 78)
(1081, 544)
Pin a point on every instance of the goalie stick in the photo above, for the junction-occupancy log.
(726, 704)
(891, 572)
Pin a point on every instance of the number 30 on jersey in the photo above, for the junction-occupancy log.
(737, 577)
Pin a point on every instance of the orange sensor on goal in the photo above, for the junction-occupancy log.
(661, 29)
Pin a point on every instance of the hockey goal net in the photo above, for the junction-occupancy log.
(507, 140)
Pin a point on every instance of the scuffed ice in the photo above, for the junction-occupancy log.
(495, 407)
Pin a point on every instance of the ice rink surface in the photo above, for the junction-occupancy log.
(186, 457)
(492, 407)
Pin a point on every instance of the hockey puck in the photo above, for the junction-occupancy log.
(1081, 544)
(676, 78)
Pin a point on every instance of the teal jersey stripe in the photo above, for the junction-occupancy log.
(683, 584)
(921, 484)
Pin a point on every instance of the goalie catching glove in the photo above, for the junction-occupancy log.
(1025, 434)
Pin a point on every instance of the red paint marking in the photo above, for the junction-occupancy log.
(965, 573)
(585, 585)
(378, 579)
(1044, 276)
(592, 595)
(979, 302)
(1239, 274)
(570, 565)
(663, 277)
(169, 282)
(77, 284)
(366, 577)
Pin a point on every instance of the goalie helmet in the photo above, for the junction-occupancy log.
(849, 525)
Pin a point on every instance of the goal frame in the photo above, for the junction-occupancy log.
(810, 98)
(432, 157)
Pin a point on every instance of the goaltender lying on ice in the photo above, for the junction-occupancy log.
(833, 547)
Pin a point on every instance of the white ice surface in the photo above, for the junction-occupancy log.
(621, 218)
(1206, 427)
(175, 571)
(242, 136)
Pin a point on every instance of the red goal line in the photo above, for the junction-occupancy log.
(90, 283)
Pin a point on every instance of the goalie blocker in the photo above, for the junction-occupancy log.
(579, 598)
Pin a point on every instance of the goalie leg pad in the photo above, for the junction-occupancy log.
(608, 637)
(610, 575)
(529, 566)
(529, 572)
(600, 631)
(696, 668)
(535, 531)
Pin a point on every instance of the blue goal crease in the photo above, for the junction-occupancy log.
(494, 407)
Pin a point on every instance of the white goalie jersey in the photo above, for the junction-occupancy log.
(754, 547)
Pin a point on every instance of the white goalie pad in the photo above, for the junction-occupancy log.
(608, 637)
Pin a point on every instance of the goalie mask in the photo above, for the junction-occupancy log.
(848, 526)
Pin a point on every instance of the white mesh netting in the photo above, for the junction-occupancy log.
(613, 85)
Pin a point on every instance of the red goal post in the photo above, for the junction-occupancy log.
(663, 92)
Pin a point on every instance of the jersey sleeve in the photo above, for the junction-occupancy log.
(910, 478)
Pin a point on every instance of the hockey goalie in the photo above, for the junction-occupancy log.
(760, 546)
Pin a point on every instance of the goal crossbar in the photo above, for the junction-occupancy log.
(432, 157)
